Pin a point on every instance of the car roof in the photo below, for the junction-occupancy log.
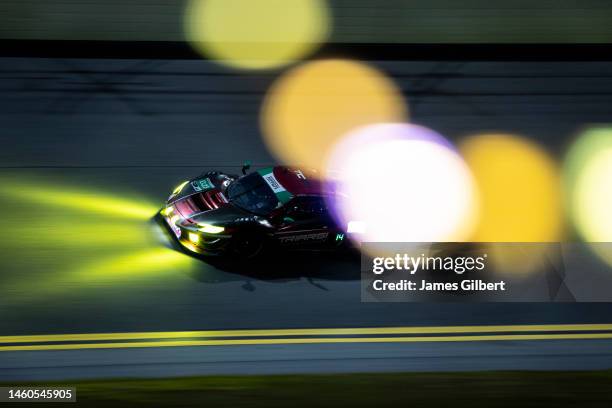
(298, 181)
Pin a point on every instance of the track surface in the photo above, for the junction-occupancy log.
(132, 129)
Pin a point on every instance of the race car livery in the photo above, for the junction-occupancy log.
(218, 213)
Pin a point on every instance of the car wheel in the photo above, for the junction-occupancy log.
(248, 245)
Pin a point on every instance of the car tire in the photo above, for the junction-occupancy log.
(248, 245)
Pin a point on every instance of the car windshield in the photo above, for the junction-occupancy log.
(252, 194)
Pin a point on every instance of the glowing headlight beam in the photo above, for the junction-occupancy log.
(67, 235)
(141, 263)
(79, 200)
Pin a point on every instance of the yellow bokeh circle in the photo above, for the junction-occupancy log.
(260, 34)
(312, 106)
(592, 202)
(588, 179)
(520, 189)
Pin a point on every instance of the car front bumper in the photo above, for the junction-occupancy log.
(196, 241)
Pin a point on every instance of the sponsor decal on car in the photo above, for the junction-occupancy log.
(283, 195)
(317, 236)
(202, 185)
(273, 183)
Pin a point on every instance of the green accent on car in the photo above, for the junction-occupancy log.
(202, 185)
(265, 171)
(281, 194)
(284, 197)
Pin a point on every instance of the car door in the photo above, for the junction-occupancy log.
(306, 223)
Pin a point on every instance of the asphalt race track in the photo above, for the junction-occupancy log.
(90, 148)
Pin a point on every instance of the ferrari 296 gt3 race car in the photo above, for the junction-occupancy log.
(222, 214)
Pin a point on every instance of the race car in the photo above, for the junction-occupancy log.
(223, 214)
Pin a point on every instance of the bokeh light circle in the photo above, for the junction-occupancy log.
(312, 106)
(403, 183)
(260, 34)
(593, 198)
(519, 186)
(588, 178)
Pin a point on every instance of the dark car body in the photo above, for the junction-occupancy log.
(218, 213)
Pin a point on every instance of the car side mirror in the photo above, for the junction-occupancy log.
(246, 166)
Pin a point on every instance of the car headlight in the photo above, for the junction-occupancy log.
(179, 188)
(175, 219)
(210, 229)
(265, 223)
(167, 211)
(194, 238)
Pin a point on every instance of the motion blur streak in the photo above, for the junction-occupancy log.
(76, 238)
(312, 106)
(588, 177)
(147, 262)
(259, 34)
(80, 200)
(70, 234)
(430, 191)
(40, 338)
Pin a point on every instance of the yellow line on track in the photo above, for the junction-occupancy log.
(304, 332)
(253, 337)
(307, 340)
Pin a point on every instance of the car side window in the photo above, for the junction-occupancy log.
(306, 207)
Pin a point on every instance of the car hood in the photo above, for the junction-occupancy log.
(228, 214)
(199, 195)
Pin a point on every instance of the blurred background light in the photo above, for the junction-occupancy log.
(259, 34)
(402, 183)
(312, 106)
(519, 187)
(593, 198)
(588, 178)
